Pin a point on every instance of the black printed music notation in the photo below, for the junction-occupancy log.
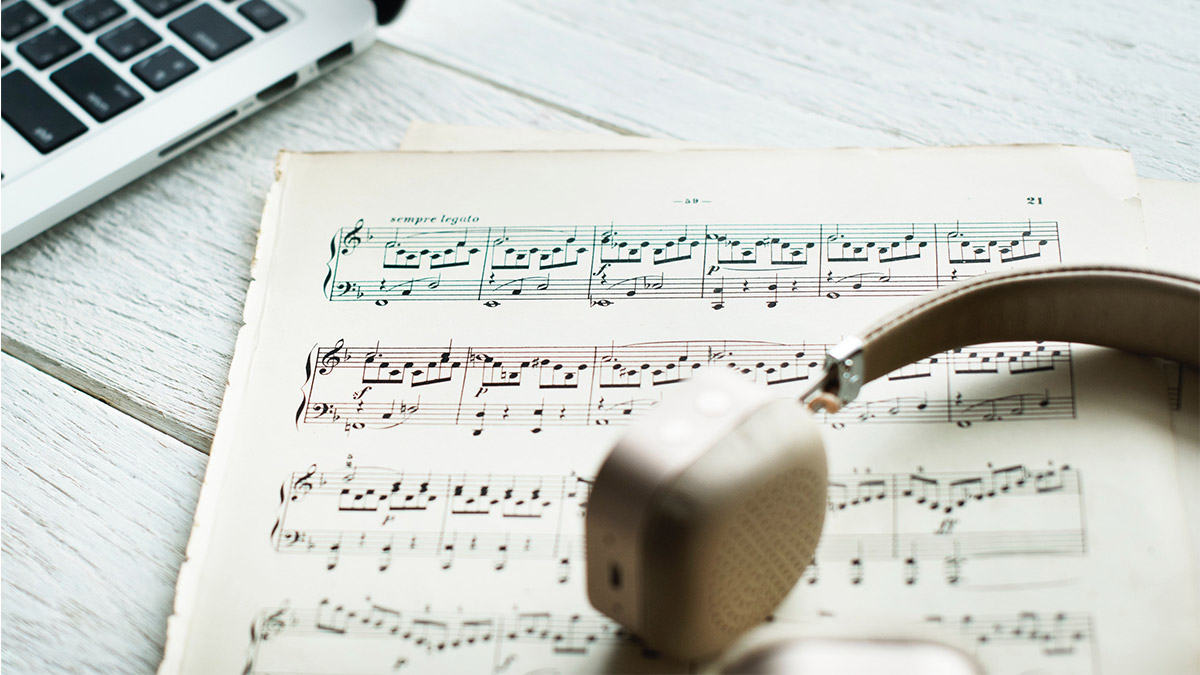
(377, 637)
(902, 523)
(1062, 635)
(895, 521)
(716, 264)
(535, 387)
(386, 514)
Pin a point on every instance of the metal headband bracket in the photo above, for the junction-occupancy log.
(845, 363)
(843, 377)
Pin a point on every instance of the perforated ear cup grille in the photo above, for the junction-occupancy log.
(768, 543)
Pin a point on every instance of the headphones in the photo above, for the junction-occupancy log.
(703, 517)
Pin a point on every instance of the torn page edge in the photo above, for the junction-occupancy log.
(187, 585)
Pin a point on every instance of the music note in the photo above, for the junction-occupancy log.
(501, 555)
(481, 417)
(953, 567)
(334, 553)
(538, 414)
(811, 574)
(564, 570)
(856, 570)
(385, 558)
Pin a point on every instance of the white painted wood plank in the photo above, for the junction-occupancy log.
(138, 299)
(890, 72)
(97, 508)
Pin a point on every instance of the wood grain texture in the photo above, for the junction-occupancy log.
(866, 72)
(97, 509)
(138, 299)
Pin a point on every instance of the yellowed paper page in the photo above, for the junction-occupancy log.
(1172, 212)
(441, 347)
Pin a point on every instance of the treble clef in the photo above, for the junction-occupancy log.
(303, 485)
(351, 240)
(330, 359)
(273, 624)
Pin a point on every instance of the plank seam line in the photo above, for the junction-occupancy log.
(92, 387)
(558, 107)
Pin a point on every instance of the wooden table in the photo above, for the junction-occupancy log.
(119, 325)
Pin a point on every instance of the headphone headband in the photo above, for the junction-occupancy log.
(1135, 310)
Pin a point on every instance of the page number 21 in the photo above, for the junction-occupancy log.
(1033, 201)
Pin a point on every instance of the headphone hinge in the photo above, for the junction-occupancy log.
(844, 368)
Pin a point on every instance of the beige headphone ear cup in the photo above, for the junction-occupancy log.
(729, 538)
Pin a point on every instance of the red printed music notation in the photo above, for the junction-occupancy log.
(477, 387)
(713, 263)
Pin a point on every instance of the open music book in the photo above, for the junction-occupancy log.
(440, 348)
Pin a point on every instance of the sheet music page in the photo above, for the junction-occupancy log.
(1172, 216)
(440, 348)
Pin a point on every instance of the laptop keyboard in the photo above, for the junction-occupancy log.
(155, 42)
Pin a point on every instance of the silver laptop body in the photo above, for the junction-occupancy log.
(136, 111)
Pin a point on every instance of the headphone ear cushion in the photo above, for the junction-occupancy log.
(729, 538)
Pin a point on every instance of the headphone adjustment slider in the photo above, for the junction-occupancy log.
(844, 369)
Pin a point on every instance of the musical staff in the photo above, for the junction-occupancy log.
(385, 514)
(907, 518)
(1026, 636)
(711, 263)
(535, 387)
(497, 521)
(380, 638)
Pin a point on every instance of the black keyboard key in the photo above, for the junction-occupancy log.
(160, 8)
(48, 47)
(164, 68)
(35, 115)
(266, 17)
(209, 32)
(95, 88)
(5, 60)
(89, 15)
(19, 18)
(54, 3)
(128, 39)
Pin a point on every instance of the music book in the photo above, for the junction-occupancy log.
(440, 347)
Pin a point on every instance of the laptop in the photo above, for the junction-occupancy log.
(98, 92)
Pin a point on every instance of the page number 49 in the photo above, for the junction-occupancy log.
(1033, 201)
